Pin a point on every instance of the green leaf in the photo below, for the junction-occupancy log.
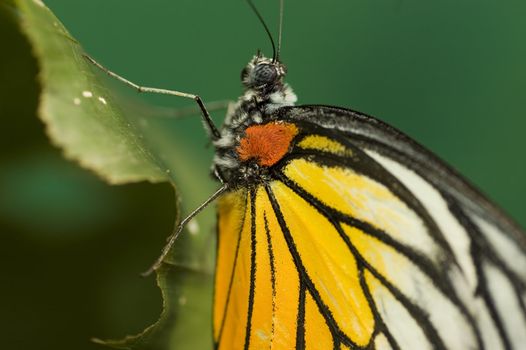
(81, 115)
(117, 138)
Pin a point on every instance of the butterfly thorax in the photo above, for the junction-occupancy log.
(251, 139)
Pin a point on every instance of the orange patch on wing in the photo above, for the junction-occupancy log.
(266, 143)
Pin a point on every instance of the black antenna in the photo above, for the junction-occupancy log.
(251, 4)
(280, 32)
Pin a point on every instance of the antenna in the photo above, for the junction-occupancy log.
(280, 32)
(251, 4)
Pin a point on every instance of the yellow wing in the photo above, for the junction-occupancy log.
(327, 257)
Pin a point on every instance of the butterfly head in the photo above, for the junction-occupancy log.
(263, 74)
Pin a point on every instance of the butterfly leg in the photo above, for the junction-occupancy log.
(214, 132)
(176, 113)
(219, 175)
(173, 237)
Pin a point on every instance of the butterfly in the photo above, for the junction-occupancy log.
(337, 231)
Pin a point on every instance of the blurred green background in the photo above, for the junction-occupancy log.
(451, 74)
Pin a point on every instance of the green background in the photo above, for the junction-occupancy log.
(451, 74)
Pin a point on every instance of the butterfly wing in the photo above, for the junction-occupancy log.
(363, 239)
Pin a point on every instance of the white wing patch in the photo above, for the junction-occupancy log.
(401, 324)
(501, 286)
(451, 325)
(507, 250)
(507, 304)
(478, 308)
(381, 343)
(456, 236)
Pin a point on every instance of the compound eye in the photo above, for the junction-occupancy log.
(264, 74)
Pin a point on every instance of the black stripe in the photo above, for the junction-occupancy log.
(486, 295)
(478, 250)
(392, 341)
(380, 324)
(252, 268)
(300, 321)
(419, 315)
(272, 274)
(522, 304)
(486, 248)
(304, 278)
(227, 302)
